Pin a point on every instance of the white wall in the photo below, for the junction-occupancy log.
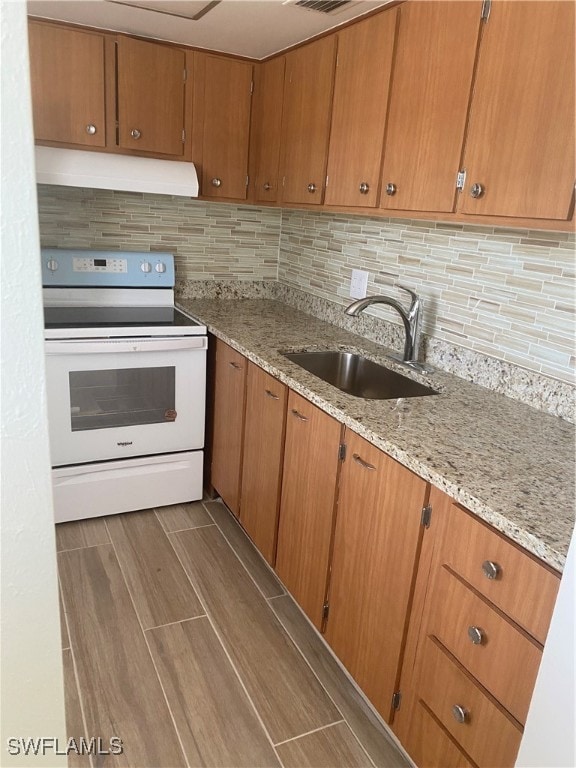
(32, 702)
(549, 736)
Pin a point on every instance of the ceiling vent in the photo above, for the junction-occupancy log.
(323, 6)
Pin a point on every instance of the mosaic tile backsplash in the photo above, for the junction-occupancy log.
(505, 296)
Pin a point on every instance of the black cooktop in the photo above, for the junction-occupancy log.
(115, 317)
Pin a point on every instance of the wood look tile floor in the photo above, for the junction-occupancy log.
(178, 639)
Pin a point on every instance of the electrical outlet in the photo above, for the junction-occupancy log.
(358, 284)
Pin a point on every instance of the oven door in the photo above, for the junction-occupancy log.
(115, 398)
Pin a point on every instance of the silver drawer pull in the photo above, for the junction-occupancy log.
(135, 133)
(267, 186)
(476, 635)
(362, 463)
(459, 713)
(491, 570)
(91, 129)
(272, 395)
(299, 415)
(216, 182)
(476, 191)
(390, 189)
(235, 365)
(364, 188)
(312, 188)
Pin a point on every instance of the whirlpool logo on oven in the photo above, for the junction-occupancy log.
(124, 443)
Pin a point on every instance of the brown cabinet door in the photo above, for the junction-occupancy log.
(67, 79)
(308, 86)
(373, 565)
(431, 83)
(264, 425)
(269, 87)
(228, 425)
(223, 98)
(150, 97)
(361, 86)
(307, 508)
(520, 145)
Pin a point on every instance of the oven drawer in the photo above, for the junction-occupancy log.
(119, 398)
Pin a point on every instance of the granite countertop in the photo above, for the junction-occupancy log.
(511, 465)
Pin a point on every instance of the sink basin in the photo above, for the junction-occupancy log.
(358, 376)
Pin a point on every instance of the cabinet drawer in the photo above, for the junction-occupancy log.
(521, 586)
(430, 744)
(499, 656)
(487, 734)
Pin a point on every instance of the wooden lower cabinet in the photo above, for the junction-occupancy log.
(228, 423)
(480, 613)
(376, 543)
(311, 464)
(264, 426)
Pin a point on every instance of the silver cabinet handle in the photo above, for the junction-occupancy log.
(267, 186)
(364, 188)
(216, 182)
(459, 713)
(271, 394)
(90, 129)
(476, 635)
(491, 570)
(135, 133)
(362, 463)
(299, 415)
(237, 366)
(390, 189)
(312, 188)
(476, 190)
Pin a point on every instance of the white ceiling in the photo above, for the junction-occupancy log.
(254, 28)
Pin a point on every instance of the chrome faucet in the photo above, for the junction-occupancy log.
(411, 319)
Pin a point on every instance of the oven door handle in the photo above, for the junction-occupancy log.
(111, 346)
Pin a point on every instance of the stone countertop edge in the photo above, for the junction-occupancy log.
(528, 524)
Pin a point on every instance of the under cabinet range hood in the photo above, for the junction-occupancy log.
(126, 173)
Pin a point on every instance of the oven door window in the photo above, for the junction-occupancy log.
(122, 397)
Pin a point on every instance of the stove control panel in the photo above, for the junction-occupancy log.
(98, 269)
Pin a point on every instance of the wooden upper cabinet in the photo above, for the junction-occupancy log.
(520, 146)
(308, 86)
(67, 79)
(150, 110)
(267, 125)
(378, 529)
(228, 423)
(222, 104)
(307, 507)
(431, 85)
(363, 68)
(265, 419)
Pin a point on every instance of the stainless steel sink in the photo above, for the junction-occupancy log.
(359, 376)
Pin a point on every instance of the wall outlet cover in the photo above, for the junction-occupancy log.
(358, 284)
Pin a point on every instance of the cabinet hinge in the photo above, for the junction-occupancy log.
(184, 75)
(342, 451)
(460, 179)
(252, 87)
(426, 516)
(326, 180)
(325, 611)
(486, 6)
(247, 180)
(396, 699)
